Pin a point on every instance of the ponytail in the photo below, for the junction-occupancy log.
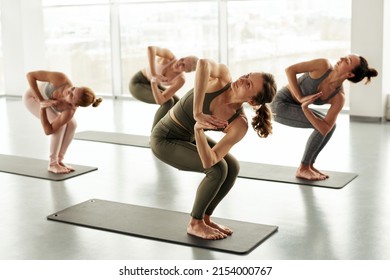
(261, 123)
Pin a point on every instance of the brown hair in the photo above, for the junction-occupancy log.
(261, 123)
(363, 71)
(88, 97)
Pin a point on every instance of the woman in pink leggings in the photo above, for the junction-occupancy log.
(53, 99)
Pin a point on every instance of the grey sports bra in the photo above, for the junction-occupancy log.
(49, 89)
(309, 86)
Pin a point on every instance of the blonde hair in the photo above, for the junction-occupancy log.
(88, 97)
(194, 60)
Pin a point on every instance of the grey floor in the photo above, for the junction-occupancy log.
(352, 223)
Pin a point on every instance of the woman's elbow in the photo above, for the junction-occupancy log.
(288, 70)
(202, 64)
(207, 165)
(160, 102)
(48, 132)
(325, 130)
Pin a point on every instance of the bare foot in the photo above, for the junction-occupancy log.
(70, 168)
(319, 172)
(221, 228)
(58, 169)
(200, 229)
(305, 172)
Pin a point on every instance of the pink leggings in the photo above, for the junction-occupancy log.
(61, 139)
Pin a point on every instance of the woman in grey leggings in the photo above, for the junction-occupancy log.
(215, 103)
(320, 84)
(161, 79)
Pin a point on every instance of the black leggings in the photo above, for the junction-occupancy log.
(140, 88)
(175, 146)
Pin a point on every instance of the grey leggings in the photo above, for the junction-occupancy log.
(175, 146)
(140, 88)
(290, 113)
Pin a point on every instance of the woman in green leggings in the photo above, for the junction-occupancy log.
(161, 79)
(215, 103)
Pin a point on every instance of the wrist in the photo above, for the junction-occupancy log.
(197, 115)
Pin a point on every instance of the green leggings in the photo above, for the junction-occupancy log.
(140, 88)
(175, 146)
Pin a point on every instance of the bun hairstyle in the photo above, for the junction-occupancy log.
(97, 102)
(363, 71)
(261, 122)
(89, 98)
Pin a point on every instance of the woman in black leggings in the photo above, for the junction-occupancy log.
(215, 103)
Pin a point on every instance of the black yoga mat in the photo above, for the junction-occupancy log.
(286, 174)
(114, 138)
(37, 168)
(160, 224)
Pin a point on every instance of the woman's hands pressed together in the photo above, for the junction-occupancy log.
(204, 121)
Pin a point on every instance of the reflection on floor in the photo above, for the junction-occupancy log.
(314, 223)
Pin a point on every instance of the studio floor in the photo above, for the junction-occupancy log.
(351, 223)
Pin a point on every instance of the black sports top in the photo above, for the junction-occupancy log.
(184, 109)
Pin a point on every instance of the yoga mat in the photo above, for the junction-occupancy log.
(161, 225)
(114, 138)
(286, 174)
(249, 170)
(37, 168)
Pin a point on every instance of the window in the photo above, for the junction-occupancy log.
(78, 44)
(257, 35)
(270, 35)
(186, 28)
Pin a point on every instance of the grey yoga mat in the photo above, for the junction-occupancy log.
(249, 170)
(114, 138)
(286, 174)
(37, 168)
(161, 225)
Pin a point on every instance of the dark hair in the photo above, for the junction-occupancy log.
(362, 71)
(261, 123)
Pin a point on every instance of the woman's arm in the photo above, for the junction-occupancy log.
(326, 124)
(162, 96)
(53, 127)
(315, 67)
(161, 54)
(208, 72)
(56, 78)
(44, 76)
(210, 76)
(210, 156)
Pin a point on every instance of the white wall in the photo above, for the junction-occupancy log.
(386, 47)
(23, 42)
(368, 39)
